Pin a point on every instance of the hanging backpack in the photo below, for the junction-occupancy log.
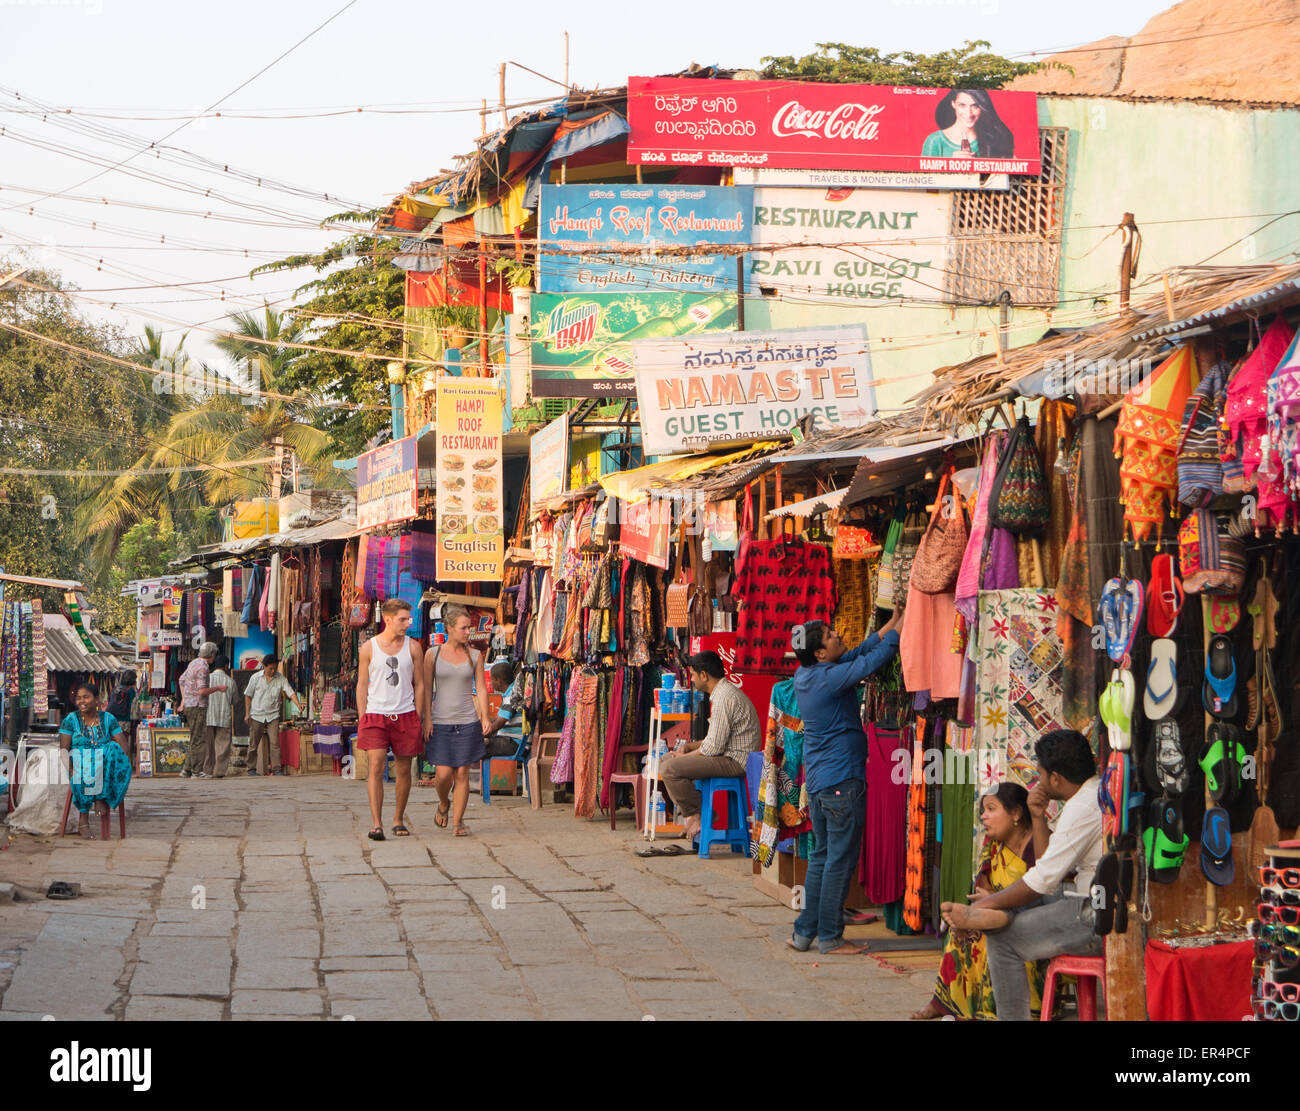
(1200, 446)
(1018, 501)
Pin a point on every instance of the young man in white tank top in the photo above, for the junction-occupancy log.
(393, 711)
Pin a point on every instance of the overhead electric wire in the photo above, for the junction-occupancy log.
(215, 104)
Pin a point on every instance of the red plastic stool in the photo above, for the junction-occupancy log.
(105, 820)
(1091, 972)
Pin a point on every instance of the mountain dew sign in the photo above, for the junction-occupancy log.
(582, 343)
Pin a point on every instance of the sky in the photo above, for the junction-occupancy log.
(182, 228)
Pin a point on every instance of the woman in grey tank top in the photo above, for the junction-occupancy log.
(454, 672)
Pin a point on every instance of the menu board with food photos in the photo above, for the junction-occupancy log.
(470, 498)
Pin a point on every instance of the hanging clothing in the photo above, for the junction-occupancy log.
(884, 845)
(785, 813)
(248, 614)
(914, 866)
(782, 583)
(929, 663)
(562, 769)
(853, 583)
(586, 762)
(958, 826)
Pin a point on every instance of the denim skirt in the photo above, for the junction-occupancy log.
(455, 746)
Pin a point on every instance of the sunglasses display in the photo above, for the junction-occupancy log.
(1288, 956)
(1271, 989)
(1281, 895)
(1274, 931)
(1269, 913)
(1279, 877)
(1272, 1011)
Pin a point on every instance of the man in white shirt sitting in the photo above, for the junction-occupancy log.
(1040, 916)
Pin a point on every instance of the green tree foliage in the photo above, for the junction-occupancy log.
(968, 67)
(357, 292)
(61, 409)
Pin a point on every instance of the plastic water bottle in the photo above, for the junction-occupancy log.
(658, 808)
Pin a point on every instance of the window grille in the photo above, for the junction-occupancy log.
(1012, 240)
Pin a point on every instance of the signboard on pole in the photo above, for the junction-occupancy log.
(871, 245)
(818, 125)
(582, 343)
(166, 638)
(573, 219)
(548, 458)
(741, 386)
(386, 484)
(471, 527)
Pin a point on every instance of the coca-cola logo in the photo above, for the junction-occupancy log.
(848, 121)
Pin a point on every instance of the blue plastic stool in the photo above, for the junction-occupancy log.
(737, 832)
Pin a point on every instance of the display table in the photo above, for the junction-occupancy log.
(1198, 985)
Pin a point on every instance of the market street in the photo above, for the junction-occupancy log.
(538, 915)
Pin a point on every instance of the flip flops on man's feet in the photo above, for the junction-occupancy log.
(442, 816)
(461, 831)
(377, 834)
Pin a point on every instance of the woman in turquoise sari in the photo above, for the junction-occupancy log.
(100, 768)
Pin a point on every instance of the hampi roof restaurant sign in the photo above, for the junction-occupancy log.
(576, 220)
(814, 125)
(703, 390)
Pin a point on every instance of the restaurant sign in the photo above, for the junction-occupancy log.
(386, 484)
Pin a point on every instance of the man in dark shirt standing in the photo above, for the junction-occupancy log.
(835, 762)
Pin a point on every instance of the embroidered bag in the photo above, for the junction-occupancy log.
(1200, 447)
(1018, 502)
(1211, 561)
(885, 591)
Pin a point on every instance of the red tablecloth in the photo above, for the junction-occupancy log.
(1198, 985)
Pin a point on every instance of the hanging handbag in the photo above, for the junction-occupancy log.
(905, 555)
(700, 607)
(939, 556)
(746, 531)
(604, 526)
(677, 598)
(1018, 501)
(852, 542)
(359, 615)
(885, 592)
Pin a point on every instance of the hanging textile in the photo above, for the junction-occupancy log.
(959, 840)
(786, 811)
(883, 864)
(914, 869)
(972, 564)
(853, 584)
(782, 583)
(1146, 440)
(929, 662)
(1055, 425)
(1020, 674)
(40, 673)
(562, 769)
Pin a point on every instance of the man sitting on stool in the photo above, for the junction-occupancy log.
(733, 734)
(506, 732)
(1038, 916)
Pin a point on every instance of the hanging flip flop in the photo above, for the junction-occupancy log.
(1161, 691)
(1105, 894)
(1125, 849)
(1109, 705)
(1221, 761)
(1164, 598)
(1171, 762)
(1216, 847)
(1119, 612)
(1164, 841)
(1225, 613)
(1123, 705)
(1220, 692)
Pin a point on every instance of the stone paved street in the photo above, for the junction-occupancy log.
(298, 915)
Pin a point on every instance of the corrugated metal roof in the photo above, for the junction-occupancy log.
(65, 652)
(1253, 301)
(339, 528)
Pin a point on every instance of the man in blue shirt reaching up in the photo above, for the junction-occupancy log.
(835, 764)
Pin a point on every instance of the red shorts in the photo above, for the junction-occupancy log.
(400, 732)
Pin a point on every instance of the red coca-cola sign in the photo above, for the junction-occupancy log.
(815, 126)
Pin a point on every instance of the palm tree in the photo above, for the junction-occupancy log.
(220, 431)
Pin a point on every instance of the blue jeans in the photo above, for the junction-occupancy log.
(838, 815)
